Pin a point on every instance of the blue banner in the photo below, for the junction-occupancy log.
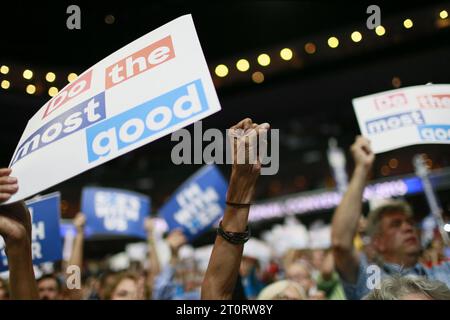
(198, 203)
(46, 243)
(114, 212)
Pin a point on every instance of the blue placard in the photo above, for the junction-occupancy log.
(114, 212)
(198, 203)
(46, 243)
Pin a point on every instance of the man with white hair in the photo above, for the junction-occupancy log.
(390, 227)
(409, 288)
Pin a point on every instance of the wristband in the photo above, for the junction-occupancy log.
(234, 237)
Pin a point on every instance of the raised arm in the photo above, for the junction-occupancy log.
(76, 257)
(15, 228)
(347, 214)
(223, 268)
(154, 263)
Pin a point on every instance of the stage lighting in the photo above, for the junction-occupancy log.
(258, 77)
(286, 54)
(4, 69)
(50, 77)
(356, 36)
(28, 74)
(443, 14)
(333, 42)
(5, 84)
(53, 91)
(310, 48)
(221, 70)
(72, 76)
(31, 89)
(408, 23)
(242, 65)
(264, 59)
(380, 30)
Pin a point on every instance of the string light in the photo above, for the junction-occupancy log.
(221, 70)
(264, 59)
(31, 89)
(242, 65)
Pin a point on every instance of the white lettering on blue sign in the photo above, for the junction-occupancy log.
(116, 210)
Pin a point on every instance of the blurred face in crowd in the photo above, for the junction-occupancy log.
(126, 289)
(397, 237)
(299, 273)
(48, 289)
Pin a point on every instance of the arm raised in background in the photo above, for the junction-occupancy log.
(76, 257)
(223, 268)
(154, 263)
(15, 228)
(347, 214)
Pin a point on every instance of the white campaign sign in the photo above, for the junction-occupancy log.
(404, 117)
(146, 90)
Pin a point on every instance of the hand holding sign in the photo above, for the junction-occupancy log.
(8, 185)
(15, 221)
(15, 228)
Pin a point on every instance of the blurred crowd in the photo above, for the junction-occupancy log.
(333, 262)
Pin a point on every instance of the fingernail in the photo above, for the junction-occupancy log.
(12, 179)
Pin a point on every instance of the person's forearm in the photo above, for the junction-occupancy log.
(221, 275)
(346, 217)
(22, 281)
(76, 258)
(154, 267)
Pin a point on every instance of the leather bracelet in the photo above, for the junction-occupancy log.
(234, 237)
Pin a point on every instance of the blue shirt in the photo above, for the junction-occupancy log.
(166, 288)
(359, 289)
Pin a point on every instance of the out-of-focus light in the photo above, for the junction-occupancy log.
(443, 14)
(333, 42)
(447, 227)
(31, 89)
(310, 48)
(50, 77)
(4, 69)
(356, 36)
(258, 77)
(393, 163)
(53, 91)
(385, 170)
(109, 19)
(242, 65)
(264, 59)
(380, 30)
(396, 82)
(72, 76)
(5, 84)
(408, 23)
(286, 54)
(28, 74)
(221, 70)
